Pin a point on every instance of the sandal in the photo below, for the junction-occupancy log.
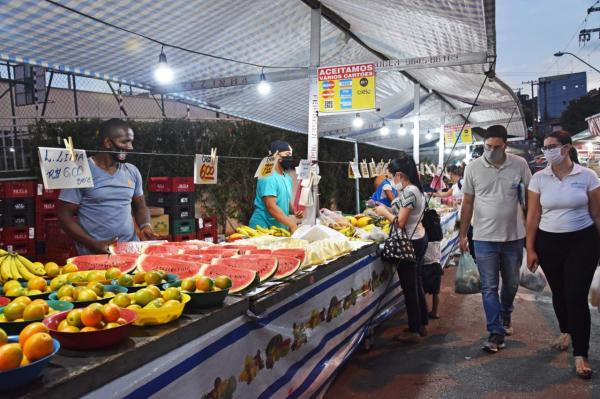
(411, 338)
(582, 368)
(433, 316)
(562, 342)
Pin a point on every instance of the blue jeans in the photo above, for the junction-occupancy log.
(495, 259)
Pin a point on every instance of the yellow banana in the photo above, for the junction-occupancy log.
(242, 232)
(5, 271)
(14, 269)
(25, 273)
(263, 230)
(251, 232)
(35, 269)
(3, 252)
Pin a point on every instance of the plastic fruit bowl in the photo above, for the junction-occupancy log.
(116, 289)
(169, 278)
(43, 295)
(4, 300)
(163, 315)
(90, 339)
(15, 327)
(200, 300)
(15, 378)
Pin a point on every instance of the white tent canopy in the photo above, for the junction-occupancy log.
(275, 34)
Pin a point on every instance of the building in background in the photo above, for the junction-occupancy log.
(554, 95)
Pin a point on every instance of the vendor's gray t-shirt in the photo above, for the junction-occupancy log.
(497, 214)
(105, 209)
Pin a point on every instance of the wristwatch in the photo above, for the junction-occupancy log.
(145, 225)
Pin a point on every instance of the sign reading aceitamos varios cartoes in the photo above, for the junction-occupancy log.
(346, 88)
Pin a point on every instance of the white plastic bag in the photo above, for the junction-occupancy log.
(467, 280)
(595, 289)
(532, 281)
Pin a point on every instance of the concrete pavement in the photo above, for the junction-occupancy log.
(449, 363)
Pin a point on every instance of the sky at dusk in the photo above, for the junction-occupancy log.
(529, 32)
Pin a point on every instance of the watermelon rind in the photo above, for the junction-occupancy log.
(282, 273)
(238, 285)
(251, 262)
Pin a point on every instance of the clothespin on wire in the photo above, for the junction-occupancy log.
(69, 146)
(213, 155)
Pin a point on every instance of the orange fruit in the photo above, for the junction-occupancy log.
(74, 318)
(139, 278)
(86, 295)
(37, 283)
(69, 268)
(67, 299)
(223, 282)
(96, 276)
(11, 356)
(143, 297)
(24, 362)
(171, 293)
(188, 284)
(88, 329)
(122, 300)
(91, 316)
(65, 290)
(62, 325)
(3, 337)
(204, 284)
(97, 287)
(25, 300)
(71, 329)
(113, 273)
(155, 291)
(30, 330)
(37, 346)
(153, 277)
(43, 303)
(52, 270)
(14, 311)
(111, 312)
(34, 311)
(9, 285)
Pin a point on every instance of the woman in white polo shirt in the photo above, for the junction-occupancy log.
(562, 235)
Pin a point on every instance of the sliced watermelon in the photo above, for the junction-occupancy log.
(287, 266)
(298, 253)
(260, 252)
(206, 258)
(198, 244)
(162, 249)
(125, 263)
(181, 268)
(242, 279)
(224, 252)
(131, 247)
(264, 265)
(241, 248)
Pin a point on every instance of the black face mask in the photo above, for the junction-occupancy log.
(121, 156)
(288, 163)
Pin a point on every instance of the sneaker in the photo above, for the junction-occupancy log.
(494, 343)
(506, 323)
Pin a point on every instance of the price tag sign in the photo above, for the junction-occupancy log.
(303, 169)
(373, 169)
(205, 169)
(266, 167)
(59, 170)
(364, 169)
(353, 171)
(379, 170)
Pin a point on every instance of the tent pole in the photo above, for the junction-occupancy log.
(416, 127)
(442, 142)
(356, 181)
(313, 105)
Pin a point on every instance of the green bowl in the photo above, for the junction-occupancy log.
(201, 300)
(15, 327)
(169, 278)
(117, 289)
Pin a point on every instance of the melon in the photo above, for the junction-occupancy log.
(206, 258)
(241, 248)
(224, 252)
(287, 266)
(298, 253)
(242, 279)
(181, 268)
(162, 249)
(125, 263)
(131, 247)
(260, 252)
(264, 265)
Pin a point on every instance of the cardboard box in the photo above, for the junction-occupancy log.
(160, 224)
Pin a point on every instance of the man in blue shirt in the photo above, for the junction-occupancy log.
(106, 211)
(273, 200)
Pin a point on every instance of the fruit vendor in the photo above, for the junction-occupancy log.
(273, 201)
(104, 212)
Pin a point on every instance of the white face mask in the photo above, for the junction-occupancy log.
(554, 156)
(398, 186)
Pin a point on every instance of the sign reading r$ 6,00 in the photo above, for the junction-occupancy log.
(205, 169)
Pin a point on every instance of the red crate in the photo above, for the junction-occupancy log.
(182, 185)
(159, 184)
(45, 205)
(16, 235)
(59, 253)
(47, 193)
(212, 235)
(19, 189)
(42, 220)
(1, 190)
(183, 237)
(26, 249)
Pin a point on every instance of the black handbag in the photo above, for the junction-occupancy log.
(433, 225)
(398, 248)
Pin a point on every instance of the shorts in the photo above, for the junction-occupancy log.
(431, 276)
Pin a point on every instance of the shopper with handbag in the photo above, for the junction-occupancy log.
(562, 234)
(408, 237)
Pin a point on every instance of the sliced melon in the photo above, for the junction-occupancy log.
(181, 268)
(131, 247)
(125, 263)
(287, 266)
(264, 265)
(242, 279)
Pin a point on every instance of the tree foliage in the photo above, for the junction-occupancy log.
(573, 118)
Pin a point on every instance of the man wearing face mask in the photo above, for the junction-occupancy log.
(104, 212)
(491, 200)
(273, 201)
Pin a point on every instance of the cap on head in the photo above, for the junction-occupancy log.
(280, 146)
(496, 131)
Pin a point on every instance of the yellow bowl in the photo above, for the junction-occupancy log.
(164, 315)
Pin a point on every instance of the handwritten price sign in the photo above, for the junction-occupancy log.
(265, 168)
(59, 170)
(206, 168)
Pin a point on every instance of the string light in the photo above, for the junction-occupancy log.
(385, 130)
(428, 135)
(263, 86)
(402, 130)
(358, 122)
(163, 74)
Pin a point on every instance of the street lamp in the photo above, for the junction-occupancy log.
(561, 53)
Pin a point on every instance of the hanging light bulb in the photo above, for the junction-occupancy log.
(263, 86)
(385, 130)
(11, 149)
(402, 130)
(358, 122)
(163, 74)
(428, 135)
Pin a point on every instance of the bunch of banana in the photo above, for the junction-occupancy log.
(15, 266)
(348, 231)
(273, 231)
(248, 232)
